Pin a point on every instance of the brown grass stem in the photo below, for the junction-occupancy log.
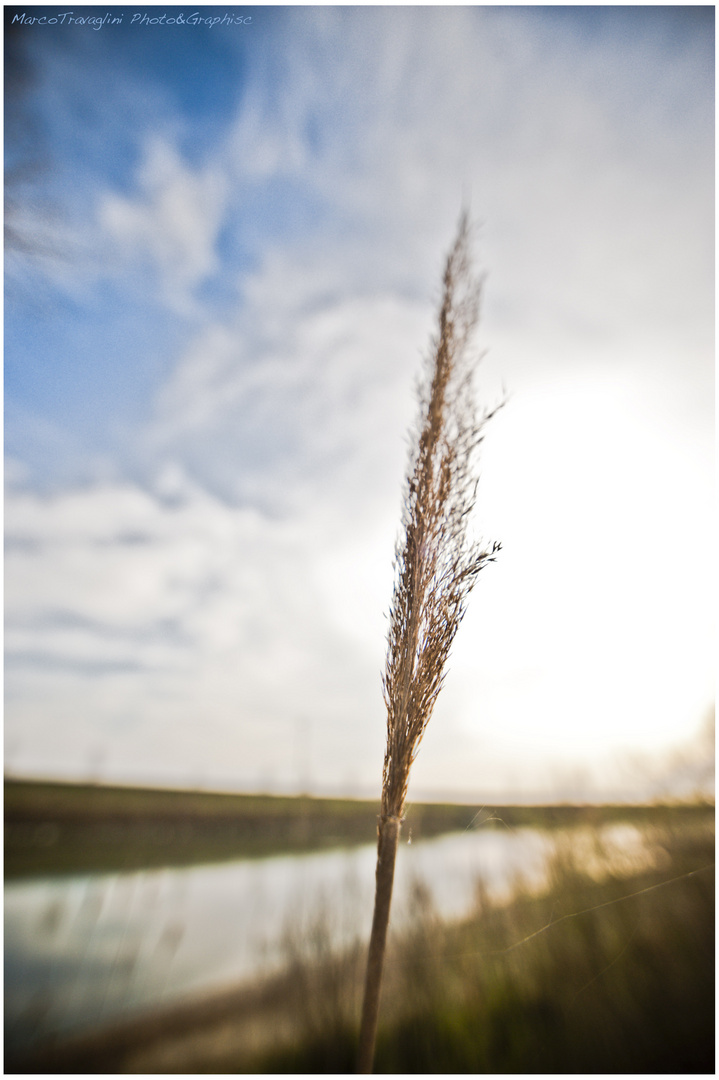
(389, 830)
(436, 567)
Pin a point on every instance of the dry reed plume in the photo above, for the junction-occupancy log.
(436, 566)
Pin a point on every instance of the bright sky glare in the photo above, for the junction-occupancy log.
(226, 247)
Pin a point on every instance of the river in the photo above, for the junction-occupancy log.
(85, 950)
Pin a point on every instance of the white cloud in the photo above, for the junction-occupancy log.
(301, 400)
(359, 132)
(173, 221)
(160, 616)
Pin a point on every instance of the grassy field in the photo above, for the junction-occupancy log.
(600, 973)
(53, 828)
(72, 828)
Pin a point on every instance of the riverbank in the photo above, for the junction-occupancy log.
(610, 972)
(57, 828)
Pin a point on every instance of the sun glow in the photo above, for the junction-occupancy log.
(594, 630)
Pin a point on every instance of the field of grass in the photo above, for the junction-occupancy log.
(600, 973)
(73, 828)
(617, 980)
(615, 976)
(54, 828)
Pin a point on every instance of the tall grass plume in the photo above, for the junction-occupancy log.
(436, 567)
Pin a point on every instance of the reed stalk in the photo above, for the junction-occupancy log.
(436, 567)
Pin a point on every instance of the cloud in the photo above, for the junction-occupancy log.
(173, 222)
(155, 612)
(383, 161)
(221, 570)
(299, 401)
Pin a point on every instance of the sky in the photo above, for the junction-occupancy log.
(225, 236)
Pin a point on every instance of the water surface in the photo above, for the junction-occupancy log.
(81, 951)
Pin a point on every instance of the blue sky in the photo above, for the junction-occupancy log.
(230, 246)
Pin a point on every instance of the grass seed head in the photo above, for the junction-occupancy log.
(436, 565)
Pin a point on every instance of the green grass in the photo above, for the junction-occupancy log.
(620, 980)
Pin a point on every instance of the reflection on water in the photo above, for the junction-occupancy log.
(85, 950)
